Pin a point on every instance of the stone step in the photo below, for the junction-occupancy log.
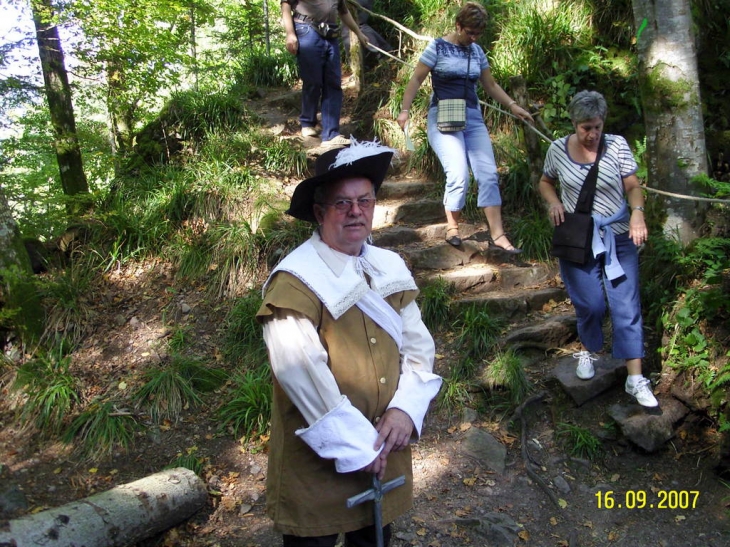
(481, 277)
(410, 220)
(405, 189)
(426, 249)
(514, 304)
(414, 211)
(400, 235)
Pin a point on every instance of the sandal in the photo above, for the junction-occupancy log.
(454, 238)
(510, 250)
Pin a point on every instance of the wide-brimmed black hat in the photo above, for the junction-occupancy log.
(360, 159)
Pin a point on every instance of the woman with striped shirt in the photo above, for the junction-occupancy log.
(612, 277)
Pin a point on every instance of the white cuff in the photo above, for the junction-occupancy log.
(343, 435)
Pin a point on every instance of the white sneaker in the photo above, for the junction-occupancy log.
(309, 132)
(339, 140)
(585, 370)
(642, 392)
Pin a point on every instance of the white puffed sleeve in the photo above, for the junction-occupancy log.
(417, 385)
(337, 430)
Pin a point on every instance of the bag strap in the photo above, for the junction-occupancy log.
(466, 79)
(468, 66)
(588, 190)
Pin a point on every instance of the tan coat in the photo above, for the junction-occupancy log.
(305, 495)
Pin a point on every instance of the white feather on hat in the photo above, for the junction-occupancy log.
(359, 150)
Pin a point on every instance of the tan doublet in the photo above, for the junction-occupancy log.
(306, 496)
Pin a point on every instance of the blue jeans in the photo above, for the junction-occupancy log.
(458, 152)
(590, 292)
(319, 68)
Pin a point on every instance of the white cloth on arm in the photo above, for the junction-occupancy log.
(416, 376)
(343, 435)
(300, 366)
(376, 308)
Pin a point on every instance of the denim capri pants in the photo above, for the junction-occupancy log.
(458, 152)
(590, 291)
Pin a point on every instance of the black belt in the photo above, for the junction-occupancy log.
(303, 18)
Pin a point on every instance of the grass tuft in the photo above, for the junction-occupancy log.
(455, 394)
(168, 391)
(188, 460)
(243, 344)
(477, 332)
(580, 442)
(435, 303)
(101, 429)
(506, 372)
(248, 411)
(50, 391)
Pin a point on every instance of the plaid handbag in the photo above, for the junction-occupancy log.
(451, 115)
(452, 112)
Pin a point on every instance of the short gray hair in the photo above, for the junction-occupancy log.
(587, 105)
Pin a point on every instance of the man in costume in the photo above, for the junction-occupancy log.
(351, 357)
(313, 35)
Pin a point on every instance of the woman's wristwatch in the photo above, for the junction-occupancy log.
(639, 208)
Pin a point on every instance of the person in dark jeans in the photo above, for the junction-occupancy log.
(312, 34)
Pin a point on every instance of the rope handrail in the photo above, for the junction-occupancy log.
(484, 103)
(393, 22)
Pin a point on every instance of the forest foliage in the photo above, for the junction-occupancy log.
(180, 170)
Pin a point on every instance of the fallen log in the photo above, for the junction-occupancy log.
(119, 517)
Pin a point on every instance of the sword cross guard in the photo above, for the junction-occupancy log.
(376, 495)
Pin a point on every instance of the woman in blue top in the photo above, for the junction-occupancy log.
(456, 63)
(611, 277)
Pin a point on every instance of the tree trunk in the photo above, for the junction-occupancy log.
(120, 120)
(118, 517)
(58, 94)
(670, 93)
(535, 156)
(17, 291)
(357, 62)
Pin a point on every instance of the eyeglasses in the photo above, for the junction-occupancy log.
(345, 205)
(474, 34)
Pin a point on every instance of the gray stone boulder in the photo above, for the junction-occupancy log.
(609, 372)
(649, 428)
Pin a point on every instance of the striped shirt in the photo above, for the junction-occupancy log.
(616, 164)
(448, 63)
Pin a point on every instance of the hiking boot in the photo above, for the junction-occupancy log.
(641, 391)
(338, 141)
(585, 370)
(309, 132)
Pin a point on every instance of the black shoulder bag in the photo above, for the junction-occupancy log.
(573, 238)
